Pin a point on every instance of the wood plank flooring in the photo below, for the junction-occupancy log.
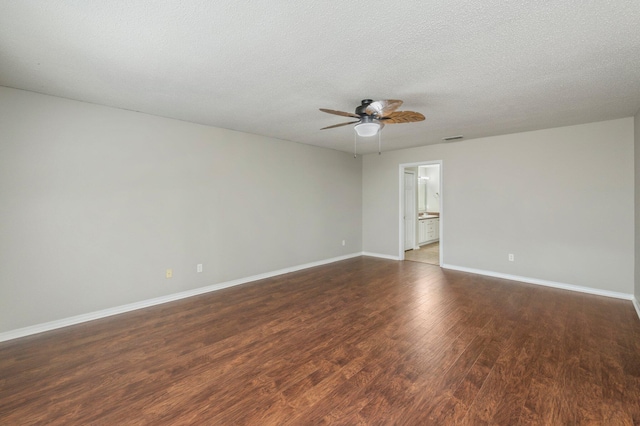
(362, 341)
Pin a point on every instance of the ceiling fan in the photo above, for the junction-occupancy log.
(373, 115)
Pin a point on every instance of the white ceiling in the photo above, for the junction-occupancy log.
(475, 67)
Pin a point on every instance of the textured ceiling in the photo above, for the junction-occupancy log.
(476, 67)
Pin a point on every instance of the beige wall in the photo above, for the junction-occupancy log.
(561, 200)
(96, 202)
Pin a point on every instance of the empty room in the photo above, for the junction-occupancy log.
(295, 213)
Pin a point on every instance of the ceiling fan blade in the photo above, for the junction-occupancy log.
(383, 108)
(403, 117)
(342, 113)
(341, 124)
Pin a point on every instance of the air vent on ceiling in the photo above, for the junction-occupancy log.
(453, 138)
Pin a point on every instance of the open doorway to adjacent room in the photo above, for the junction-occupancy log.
(421, 212)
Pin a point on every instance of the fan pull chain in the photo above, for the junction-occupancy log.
(355, 144)
(379, 143)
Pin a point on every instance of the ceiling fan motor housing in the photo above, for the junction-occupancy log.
(363, 106)
(369, 119)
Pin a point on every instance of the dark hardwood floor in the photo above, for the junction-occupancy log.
(362, 341)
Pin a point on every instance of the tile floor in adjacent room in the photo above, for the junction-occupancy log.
(429, 253)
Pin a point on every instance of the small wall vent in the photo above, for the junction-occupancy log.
(452, 138)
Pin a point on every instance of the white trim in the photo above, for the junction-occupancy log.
(415, 207)
(636, 305)
(441, 216)
(401, 213)
(545, 283)
(382, 256)
(52, 325)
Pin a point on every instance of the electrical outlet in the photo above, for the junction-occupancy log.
(511, 257)
(199, 267)
(169, 273)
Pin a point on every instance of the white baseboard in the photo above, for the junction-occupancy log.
(382, 256)
(545, 283)
(52, 325)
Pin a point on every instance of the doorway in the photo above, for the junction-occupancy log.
(421, 221)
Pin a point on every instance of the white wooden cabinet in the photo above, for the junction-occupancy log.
(422, 231)
(429, 230)
(436, 228)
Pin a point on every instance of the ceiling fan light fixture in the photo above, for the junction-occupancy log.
(367, 129)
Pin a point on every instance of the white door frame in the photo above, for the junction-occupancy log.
(401, 206)
(415, 209)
